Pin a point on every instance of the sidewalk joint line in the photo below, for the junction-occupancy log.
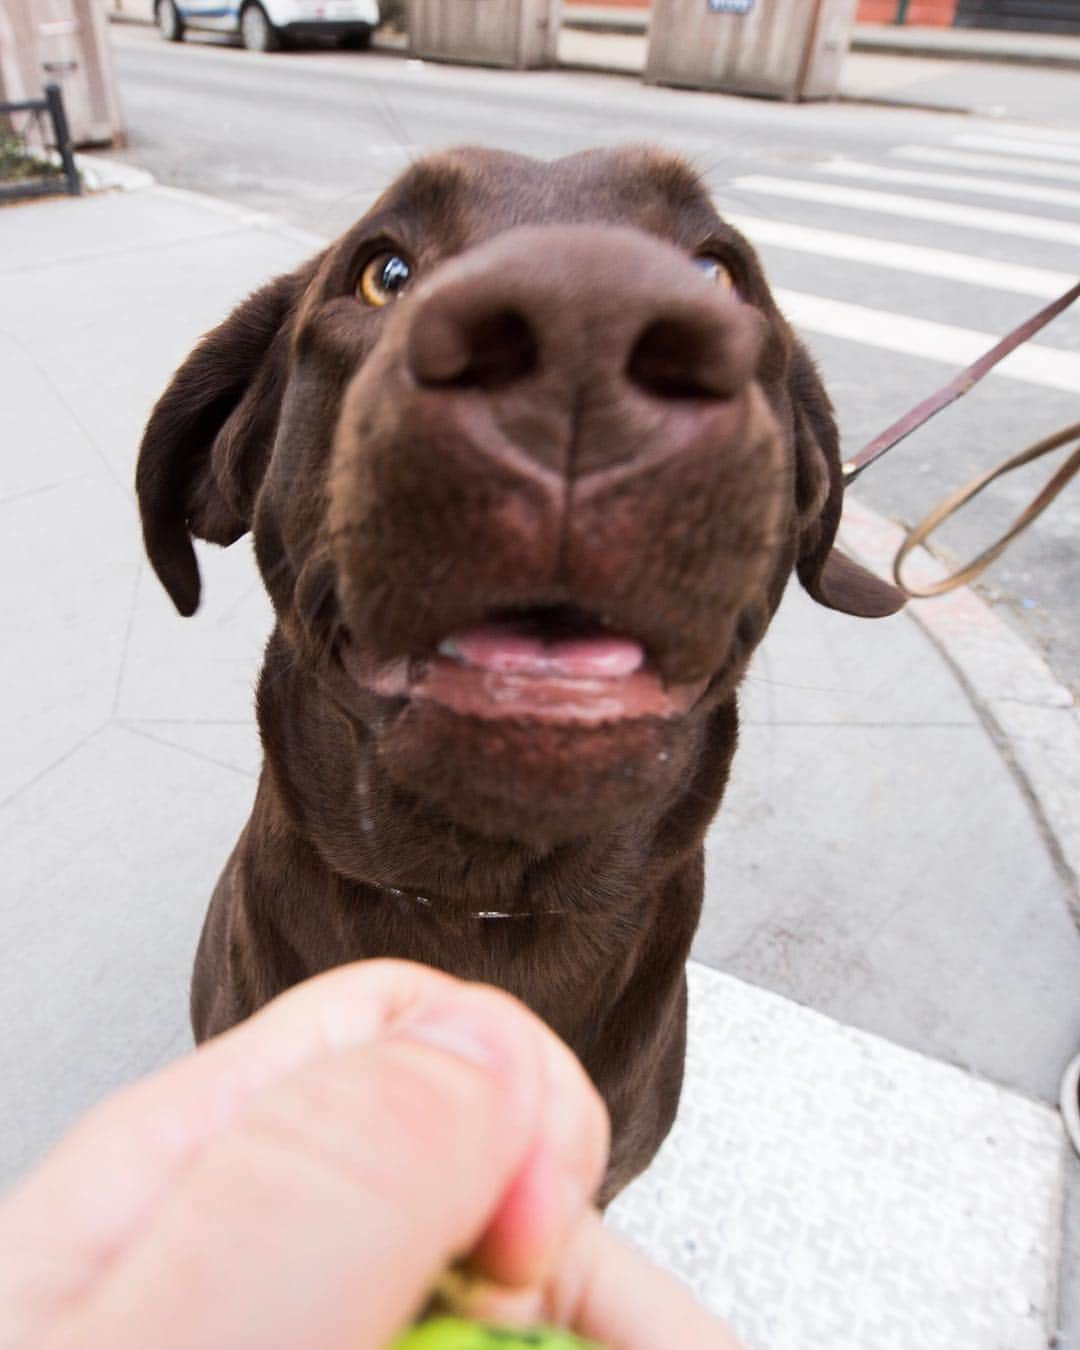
(56, 763)
(125, 646)
(187, 750)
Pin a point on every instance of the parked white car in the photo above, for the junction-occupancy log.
(266, 25)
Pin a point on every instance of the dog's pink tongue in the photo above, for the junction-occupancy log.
(496, 648)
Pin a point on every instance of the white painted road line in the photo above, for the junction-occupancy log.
(1047, 367)
(912, 258)
(1019, 145)
(966, 159)
(953, 182)
(1022, 131)
(914, 208)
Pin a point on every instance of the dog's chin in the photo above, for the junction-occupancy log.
(540, 739)
(539, 782)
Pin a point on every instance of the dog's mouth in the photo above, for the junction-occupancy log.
(554, 664)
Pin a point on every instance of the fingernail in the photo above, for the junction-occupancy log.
(462, 1032)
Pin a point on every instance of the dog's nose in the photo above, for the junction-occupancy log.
(688, 354)
(610, 322)
(472, 341)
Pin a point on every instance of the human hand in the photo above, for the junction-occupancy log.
(301, 1182)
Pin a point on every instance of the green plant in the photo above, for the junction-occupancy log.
(18, 163)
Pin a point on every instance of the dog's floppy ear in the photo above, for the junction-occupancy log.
(208, 440)
(828, 575)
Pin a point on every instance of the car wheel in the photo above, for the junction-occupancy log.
(256, 30)
(359, 40)
(170, 24)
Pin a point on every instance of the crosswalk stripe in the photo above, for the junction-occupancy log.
(1033, 364)
(914, 208)
(912, 258)
(986, 187)
(1018, 145)
(965, 159)
(1022, 131)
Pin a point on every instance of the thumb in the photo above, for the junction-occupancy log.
(324, 1213)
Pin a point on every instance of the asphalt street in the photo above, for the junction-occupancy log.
(895, 237)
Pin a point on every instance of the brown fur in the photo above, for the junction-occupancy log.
(632, 441)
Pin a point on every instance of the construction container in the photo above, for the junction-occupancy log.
(64, 42)
(519, 34)
(789, 49)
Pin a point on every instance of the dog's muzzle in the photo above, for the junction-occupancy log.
(571, 487)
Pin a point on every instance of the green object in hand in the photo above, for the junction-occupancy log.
(457, 1333)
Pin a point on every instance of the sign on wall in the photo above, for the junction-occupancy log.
(730, 6)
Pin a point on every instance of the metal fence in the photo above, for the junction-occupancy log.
(35, 148)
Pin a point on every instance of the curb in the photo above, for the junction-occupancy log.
(914, 104)
(1045, 57)
(1030, 61)
(1070, 1102)
(101, 174)
(257, 220)
(1030, 716)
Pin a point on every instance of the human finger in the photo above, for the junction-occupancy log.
(603, 1290)
(73, 1218)
(609, 1293)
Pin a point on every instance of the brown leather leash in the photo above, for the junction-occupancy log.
(956, 388)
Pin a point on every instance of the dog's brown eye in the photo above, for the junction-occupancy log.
(383, 279)
(715, 270)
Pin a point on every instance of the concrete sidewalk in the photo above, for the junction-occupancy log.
(888, 983)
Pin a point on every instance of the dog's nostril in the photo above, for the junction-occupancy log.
(501, 349)
(673, 359)
(475, 352)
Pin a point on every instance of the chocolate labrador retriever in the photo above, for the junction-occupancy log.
(528, 455)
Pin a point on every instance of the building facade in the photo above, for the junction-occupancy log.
(1034, 16)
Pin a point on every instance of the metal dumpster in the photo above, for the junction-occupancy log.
(790, 49)
(515, 33)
